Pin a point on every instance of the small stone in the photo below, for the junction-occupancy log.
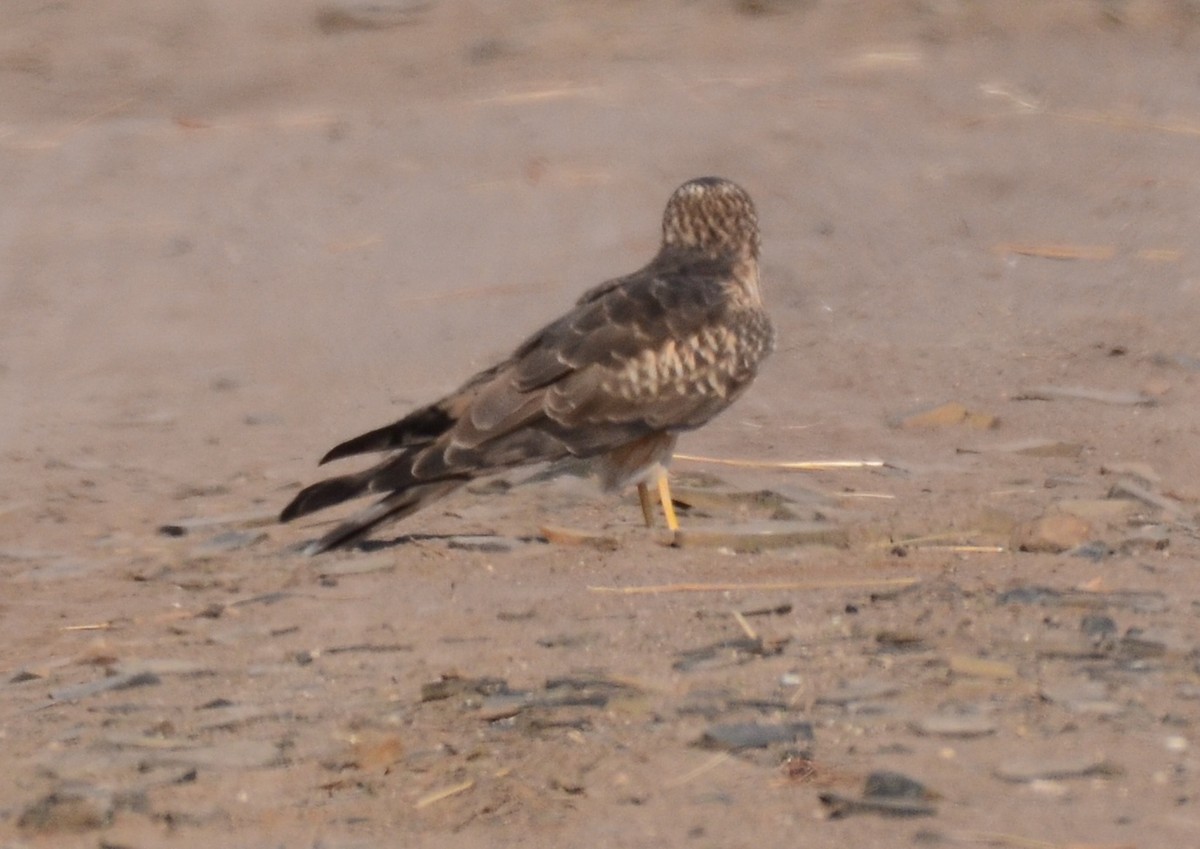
(124, 681)
(1083, 393)
(70, 808)
(1043, 448)
(1053, 533)
(978, 667)
(489, 544)
(1096, 550)
(239, 754)
(1052, 768)
(1144, 539)
(894, 785)
(575, 537)
(955, 724)
(890, 794)
(1131, 490)
(944, 415)
(503, 706)
(342, 17)
(1143, 472)
(1143, 643)
(1098, 625)
(860, 690)
(1098, 509)
(750, 735)
(1081, 696)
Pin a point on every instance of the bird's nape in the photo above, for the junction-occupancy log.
(714, 216)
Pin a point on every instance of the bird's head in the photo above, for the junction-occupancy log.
(713, 216)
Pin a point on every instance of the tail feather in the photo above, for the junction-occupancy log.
(417, 428)
(326, 493)
(395, 506)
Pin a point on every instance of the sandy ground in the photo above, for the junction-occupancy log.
(236, 233)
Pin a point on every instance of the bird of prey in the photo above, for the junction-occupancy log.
(614, 381)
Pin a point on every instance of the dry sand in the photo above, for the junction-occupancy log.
(236, 233)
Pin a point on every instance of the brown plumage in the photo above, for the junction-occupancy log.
(636, 361)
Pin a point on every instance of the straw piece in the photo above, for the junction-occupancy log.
(797, 465)
(653, 589)
(445, 793)
(1058, 251)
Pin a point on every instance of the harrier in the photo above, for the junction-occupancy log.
(614, 381)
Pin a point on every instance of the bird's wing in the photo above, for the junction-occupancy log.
(610, 324)
(654, 352)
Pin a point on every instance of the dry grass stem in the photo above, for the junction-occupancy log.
(796, 465)
(745, 626)
(445, 793)
(692, 774)
(652, 589)
(1058, 251)
(538, 95)
(1124, 122)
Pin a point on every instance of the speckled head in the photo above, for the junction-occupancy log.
(714, 216)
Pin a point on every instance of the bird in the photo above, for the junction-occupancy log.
(637, 361)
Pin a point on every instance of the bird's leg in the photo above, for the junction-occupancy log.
(647, 504)
(668, 506)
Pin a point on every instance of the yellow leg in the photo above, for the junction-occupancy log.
(647, 505)
(664, 495)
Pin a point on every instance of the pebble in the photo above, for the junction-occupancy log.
(1096, 550)
(341, 17)
(765, 503)
(955, 724)
(890, 794)
(237, 754)
(487, 543)
(1043, 448)
(72, 807)
(1081, 393)
(1054, 768)
(559, 535)
(978, 667)
(121, 681)
(1144, 539)
(1098, 625)
(860, 690)
(751, 735)
(1098, 509)
(1083, 696)
(1053, 533)
(1136, 492)
(944, 415)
